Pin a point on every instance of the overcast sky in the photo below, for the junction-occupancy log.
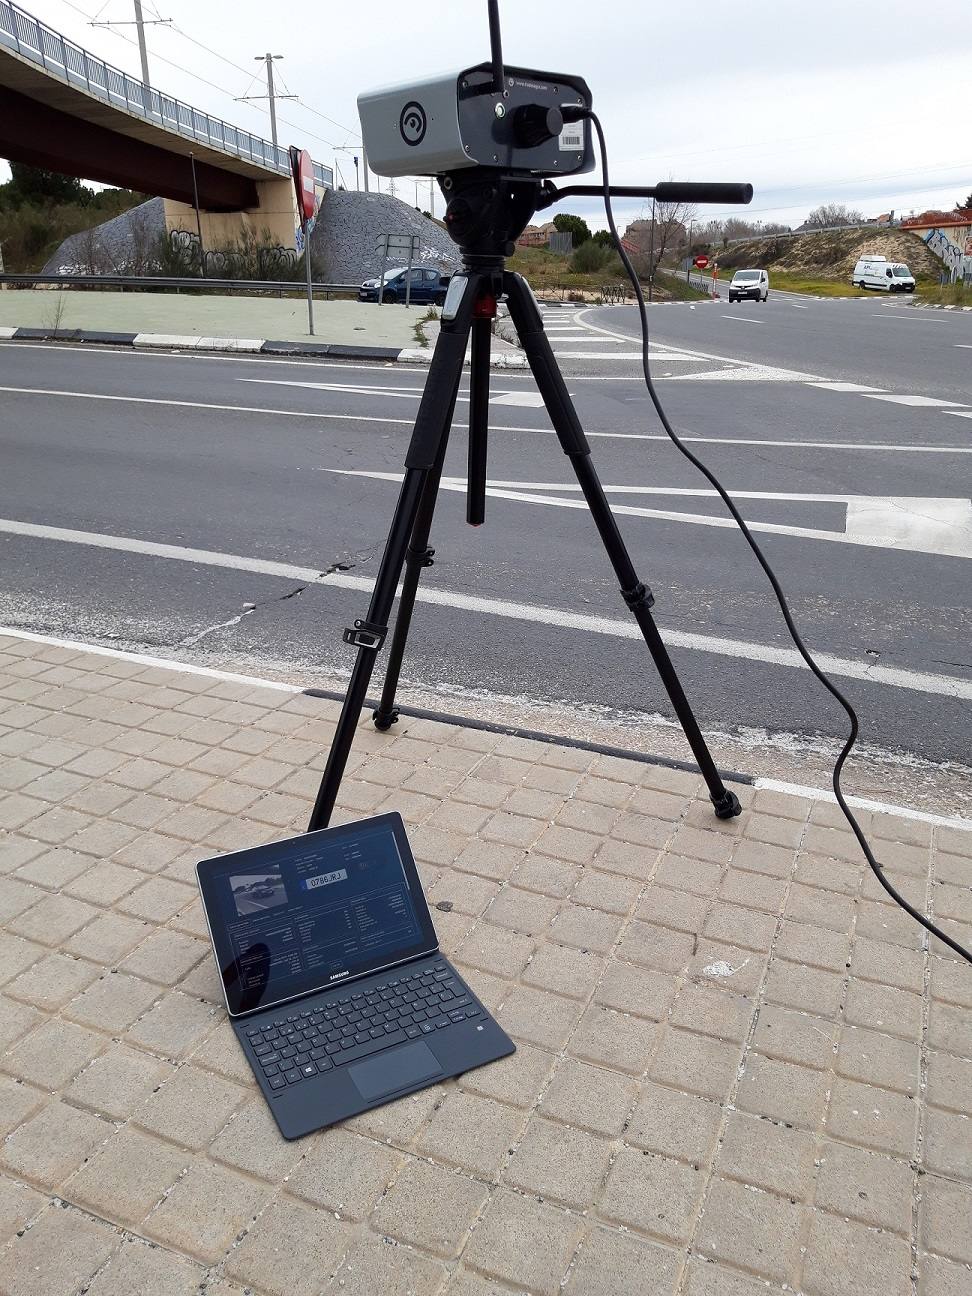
(861, 102)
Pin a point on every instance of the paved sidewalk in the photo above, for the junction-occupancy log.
(739, 1071)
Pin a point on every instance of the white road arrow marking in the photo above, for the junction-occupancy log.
(917, 525)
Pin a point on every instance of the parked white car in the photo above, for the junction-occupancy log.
(749, 283)
(880, 273)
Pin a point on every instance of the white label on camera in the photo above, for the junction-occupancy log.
(572, 137)
(454, 295)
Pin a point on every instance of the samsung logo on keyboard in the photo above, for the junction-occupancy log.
(337, 976)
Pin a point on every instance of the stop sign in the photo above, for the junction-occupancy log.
(303, 166)
(701, 262)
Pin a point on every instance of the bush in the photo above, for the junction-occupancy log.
(590, 257)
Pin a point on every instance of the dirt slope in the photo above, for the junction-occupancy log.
(832, 255)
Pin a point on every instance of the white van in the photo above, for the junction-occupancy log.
(879, 272)
(749, 283)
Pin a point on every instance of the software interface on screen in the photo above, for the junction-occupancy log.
(315, 908)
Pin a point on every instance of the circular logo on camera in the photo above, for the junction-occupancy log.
(412, 123)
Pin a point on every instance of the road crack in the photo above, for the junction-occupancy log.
(339, 565)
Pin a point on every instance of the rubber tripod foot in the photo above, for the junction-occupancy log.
(727, 805)
(384, 719)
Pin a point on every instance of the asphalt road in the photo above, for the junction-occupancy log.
(119, 466)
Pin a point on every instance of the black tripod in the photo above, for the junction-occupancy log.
(484, 216)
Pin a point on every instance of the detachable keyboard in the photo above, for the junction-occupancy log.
(300, 1044)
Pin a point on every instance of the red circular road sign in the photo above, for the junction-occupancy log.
(700, 262)
(306, 190)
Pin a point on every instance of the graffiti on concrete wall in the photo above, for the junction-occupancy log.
(956, 262)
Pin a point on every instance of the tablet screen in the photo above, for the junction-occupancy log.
(301, 914)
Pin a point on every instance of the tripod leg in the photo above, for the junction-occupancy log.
(419, 555)
(529, 326)
(478, 421)
(426, 450)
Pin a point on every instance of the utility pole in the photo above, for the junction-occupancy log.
(651, 253)
(271, 94)
(140, 23)
(142, 52)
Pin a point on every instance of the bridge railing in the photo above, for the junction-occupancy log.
(59, 57)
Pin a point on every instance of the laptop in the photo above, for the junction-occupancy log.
(332, 975)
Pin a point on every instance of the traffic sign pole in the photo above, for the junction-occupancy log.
(302, 168)
(308, 230)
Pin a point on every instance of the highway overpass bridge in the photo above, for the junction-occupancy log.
(64, 109)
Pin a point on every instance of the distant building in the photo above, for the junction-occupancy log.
(537, 235)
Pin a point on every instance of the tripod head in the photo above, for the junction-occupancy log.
(495, 137)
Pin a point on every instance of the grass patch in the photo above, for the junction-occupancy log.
(551, 275)
(814, 286)
(676, 289)
(418, 329)
(956, 294)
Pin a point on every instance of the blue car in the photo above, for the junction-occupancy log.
(427, 286)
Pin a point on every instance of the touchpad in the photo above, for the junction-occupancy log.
(397, 1069)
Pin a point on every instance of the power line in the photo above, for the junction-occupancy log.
(201, 79)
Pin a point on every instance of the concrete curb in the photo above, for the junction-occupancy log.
(263, 346)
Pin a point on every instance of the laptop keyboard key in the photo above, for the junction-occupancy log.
(373, 1046)
(277, 1082)
(293, 1076)
(413, 1031)
(309, 1069)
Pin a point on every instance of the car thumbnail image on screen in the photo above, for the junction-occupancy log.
(254, 892)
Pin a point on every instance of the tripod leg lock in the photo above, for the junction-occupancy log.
(421, 557)
(366, 634)
(640, 596)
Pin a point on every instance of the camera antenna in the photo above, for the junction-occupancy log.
(496, 48)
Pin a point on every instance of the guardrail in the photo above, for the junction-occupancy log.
(822, 229)
(144, 283)
(33, 40)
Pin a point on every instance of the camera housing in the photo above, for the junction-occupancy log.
(460, 120)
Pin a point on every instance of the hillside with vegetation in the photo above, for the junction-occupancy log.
(591, 270)
(830, 254)
(40, 209)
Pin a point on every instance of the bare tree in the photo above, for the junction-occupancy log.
(829, 214)
(669, 232)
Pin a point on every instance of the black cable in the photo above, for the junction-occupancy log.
(710, 476)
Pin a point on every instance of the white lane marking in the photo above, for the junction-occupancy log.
(598, 355)
(863, 803)
(744, 318)
(934, 526)
(6, 331)
(712, 494)
(524, 399)
(844, 387)
(698, 355)
(585, 337)
(744, 373)
(203, 405)
(964, 346)
(959, 413)
(797, 306)
(906, 319)
(919, 402)
(881, 447)
(918, 681)
(142, 659)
